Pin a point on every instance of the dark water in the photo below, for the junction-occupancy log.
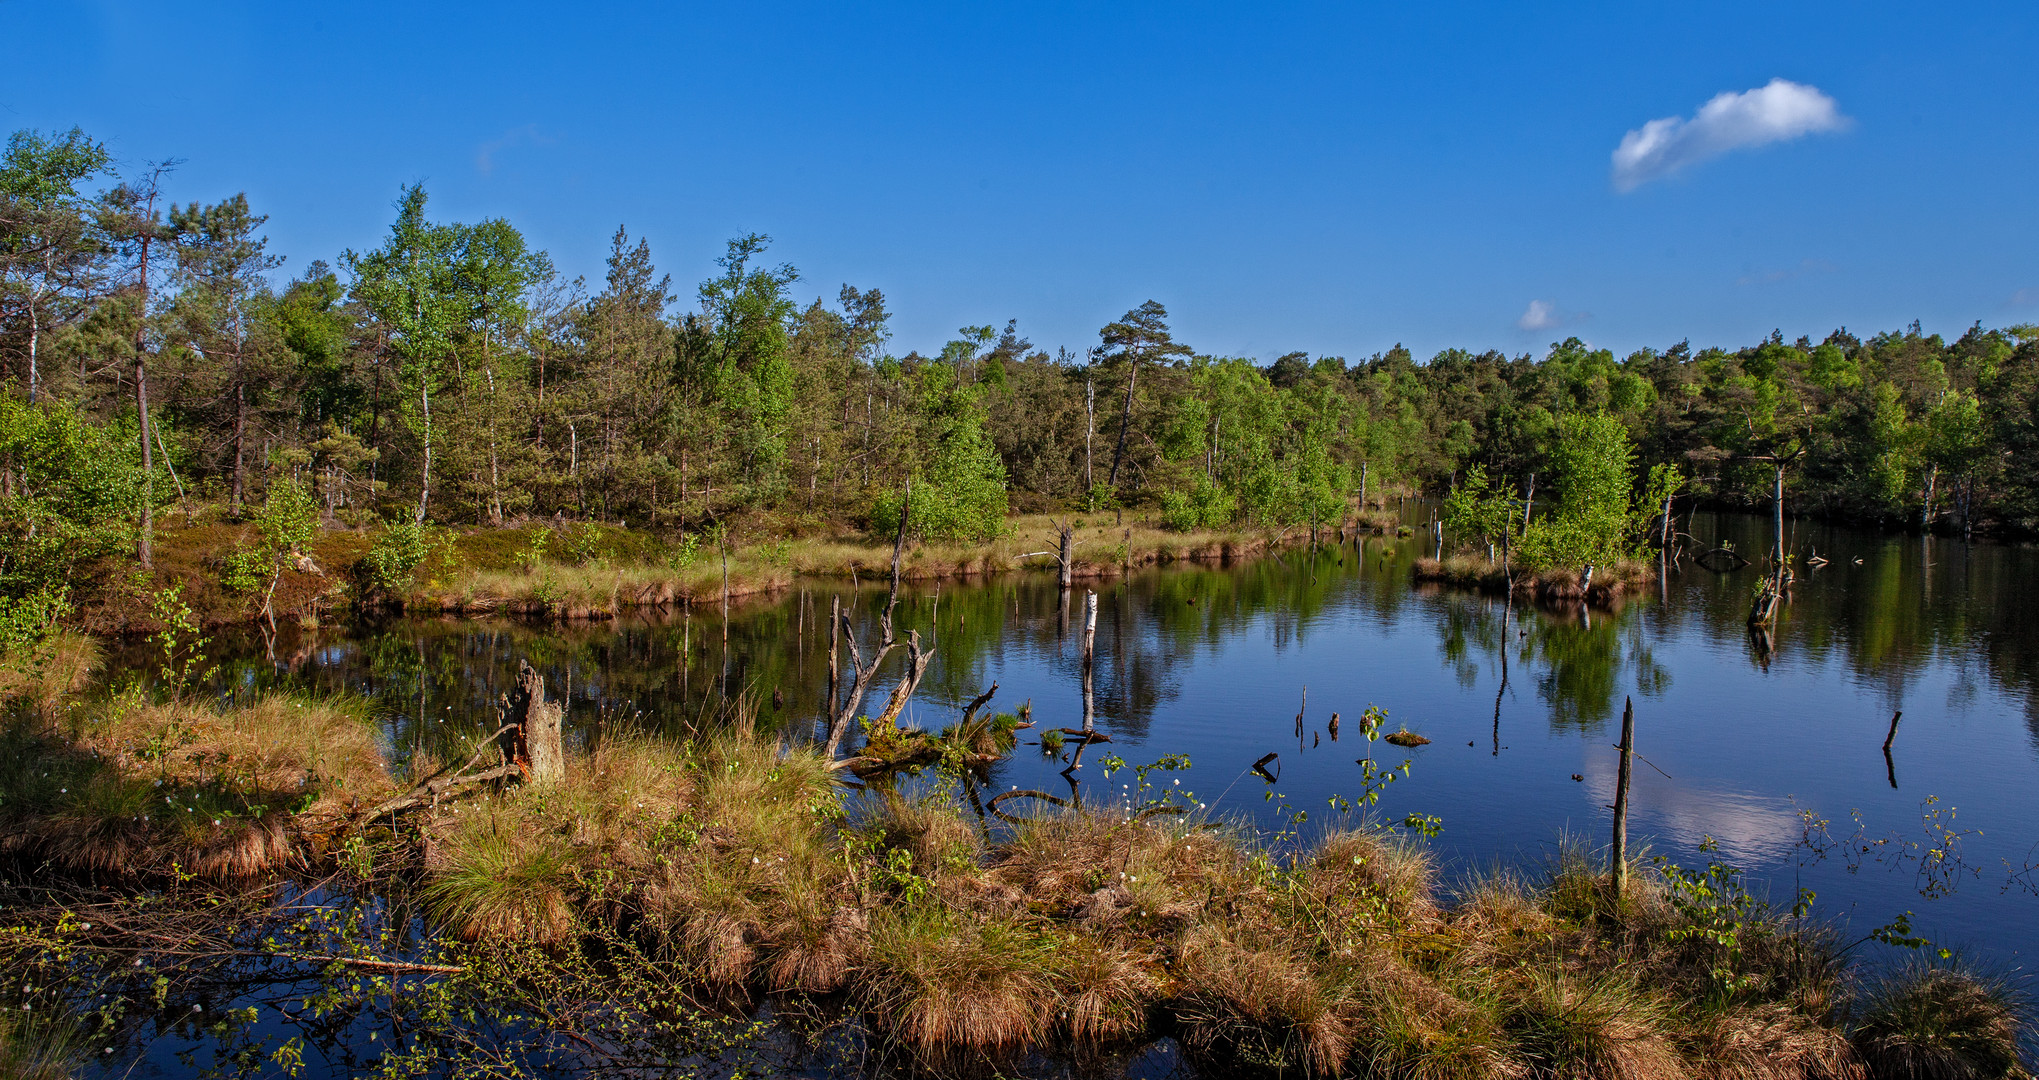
(1740, 736)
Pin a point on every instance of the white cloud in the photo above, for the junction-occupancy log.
(1542, 315)
(2024, 298)
(1774, 112)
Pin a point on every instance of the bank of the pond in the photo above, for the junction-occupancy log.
(584, 570)
(741, 866)
(1600, 586)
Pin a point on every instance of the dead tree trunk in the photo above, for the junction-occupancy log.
(835, 648)
(909, 680)
(537, 748)
(1089, 670)
(1619, 855)
(861, 671)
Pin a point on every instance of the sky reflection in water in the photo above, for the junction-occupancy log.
(1213, 663)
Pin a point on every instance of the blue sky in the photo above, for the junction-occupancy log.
(1331, 178)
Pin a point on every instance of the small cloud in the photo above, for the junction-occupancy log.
(1805, 268)
(1774, 112)
(2024, 298)
(485, 154)
(1542, 315)
(1546, 314)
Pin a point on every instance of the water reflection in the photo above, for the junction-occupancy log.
(1211, 662)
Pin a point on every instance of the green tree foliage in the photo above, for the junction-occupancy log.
(738, 349)
(959, 483)
(73, 495)
(450, 373)
(1596, 520)
(48, 243)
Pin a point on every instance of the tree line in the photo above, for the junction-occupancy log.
(153, 351)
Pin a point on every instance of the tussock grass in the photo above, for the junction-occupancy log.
(939, 980)
(1942, 1022)
(1597, 1025)
(1393, 877)
(1771, 1041)
(736, 859)
(495, 877)
(139, 788)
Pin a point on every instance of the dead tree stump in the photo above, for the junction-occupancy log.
(537, 747)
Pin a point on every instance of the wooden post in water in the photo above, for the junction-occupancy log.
(1620, 853)
(835, 634)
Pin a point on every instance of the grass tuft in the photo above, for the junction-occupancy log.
(1941, 1022)
(939, 980)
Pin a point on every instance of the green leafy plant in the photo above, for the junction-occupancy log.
(533, 555)
(185, 663)
(393, 559)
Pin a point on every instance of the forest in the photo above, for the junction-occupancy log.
(158, 355)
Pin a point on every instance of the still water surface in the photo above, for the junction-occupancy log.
(1742, 738)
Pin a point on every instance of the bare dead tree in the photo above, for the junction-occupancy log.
(863, 671)
(1065, 559)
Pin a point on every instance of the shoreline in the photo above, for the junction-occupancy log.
(735, 868)
(587, 572)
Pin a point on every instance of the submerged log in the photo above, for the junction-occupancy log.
(1732, 558)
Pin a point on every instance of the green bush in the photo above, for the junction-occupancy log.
(959, 496)
(1204, 506)
(26, 622)
(77, 493)
(393, 559)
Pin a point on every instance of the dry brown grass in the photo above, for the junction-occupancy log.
(1770, 1041)
(135, 788)
(277, 746)
(42, 677)
(1106, 988)
(1257, 997)
(939, 980)
(1590, 1026)
(1368, 873)
(648, 575)
(1942, 1022)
